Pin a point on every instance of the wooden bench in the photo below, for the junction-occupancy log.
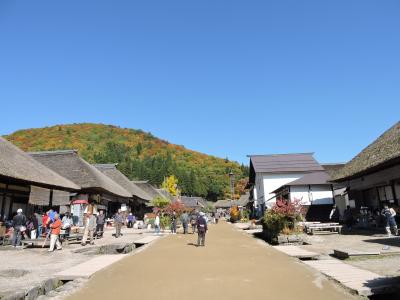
(34, 242)
(323, 228)
(67, 239)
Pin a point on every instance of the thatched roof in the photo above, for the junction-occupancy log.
(227, 203)
(193, 202)
(224, 203)
(111, 171)
(149, 189)
(70, 165)
(166, 195)
(18, 165)
(382, 151)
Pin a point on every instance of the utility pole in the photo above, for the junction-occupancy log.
(232, 178)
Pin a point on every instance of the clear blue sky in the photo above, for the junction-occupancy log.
(228, 78)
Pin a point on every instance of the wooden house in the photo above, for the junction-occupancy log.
(140, 200)
(270, 172)
(25, 183)
(96, 188)
(372, 178)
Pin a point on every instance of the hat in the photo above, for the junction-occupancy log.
(202, 213)
(19, 210)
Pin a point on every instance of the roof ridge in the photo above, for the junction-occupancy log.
(108, 166)
(281, 154)
(54, 152)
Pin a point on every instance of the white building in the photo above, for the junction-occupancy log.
(270, 173)
(311, 189)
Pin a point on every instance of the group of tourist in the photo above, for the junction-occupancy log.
(198, 222)
(385, 217)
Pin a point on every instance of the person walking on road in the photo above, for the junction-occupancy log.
(173, 225)
(18, 223)
(118, 221)
(348, 218)
(157, 224)
(100, 223)
(90, 227)
(389, 214)
(55, 228)
(185, 222)
(201, 230)
(193, 221)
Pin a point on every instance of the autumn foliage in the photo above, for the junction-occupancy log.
(140, 156)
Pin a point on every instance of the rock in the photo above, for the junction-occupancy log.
(49, 285)
(33, 293)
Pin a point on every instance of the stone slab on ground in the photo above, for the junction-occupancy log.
(87, 269)
(297, 252)
(242, 225)
(147, 239)
(346, 253)
(362, 282)
(253, 231)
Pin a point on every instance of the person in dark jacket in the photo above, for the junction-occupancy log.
(348, 218)
(334, 216)
(173, 220)
(201, 230)
(18, 223)
(185, 222)
(101, 218)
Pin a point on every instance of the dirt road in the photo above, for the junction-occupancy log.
(232, 265)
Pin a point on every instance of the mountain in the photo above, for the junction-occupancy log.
(140, 156)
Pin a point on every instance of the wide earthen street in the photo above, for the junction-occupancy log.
(232, 265)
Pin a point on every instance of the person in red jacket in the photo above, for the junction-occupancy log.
(55, 228)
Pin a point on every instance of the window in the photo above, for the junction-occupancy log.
(386, 193)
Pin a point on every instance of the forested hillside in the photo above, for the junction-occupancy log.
(140, 156)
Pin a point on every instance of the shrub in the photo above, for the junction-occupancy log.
(165, 221)
(282, 218)
(160, 202)
(235, 214)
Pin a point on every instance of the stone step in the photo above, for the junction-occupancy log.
(87, 269)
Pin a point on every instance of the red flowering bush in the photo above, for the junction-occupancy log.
(282, 217)
(176, 207)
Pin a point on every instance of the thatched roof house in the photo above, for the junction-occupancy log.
(112, 172)
(70, 165)
(372, 178)
(224, 203)
(384, 151)
(16, 165)
(243, 201)
(193, 202)
(149, 189)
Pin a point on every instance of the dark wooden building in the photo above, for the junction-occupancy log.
(372, 178)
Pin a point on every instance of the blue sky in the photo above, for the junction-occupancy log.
(228, 78)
